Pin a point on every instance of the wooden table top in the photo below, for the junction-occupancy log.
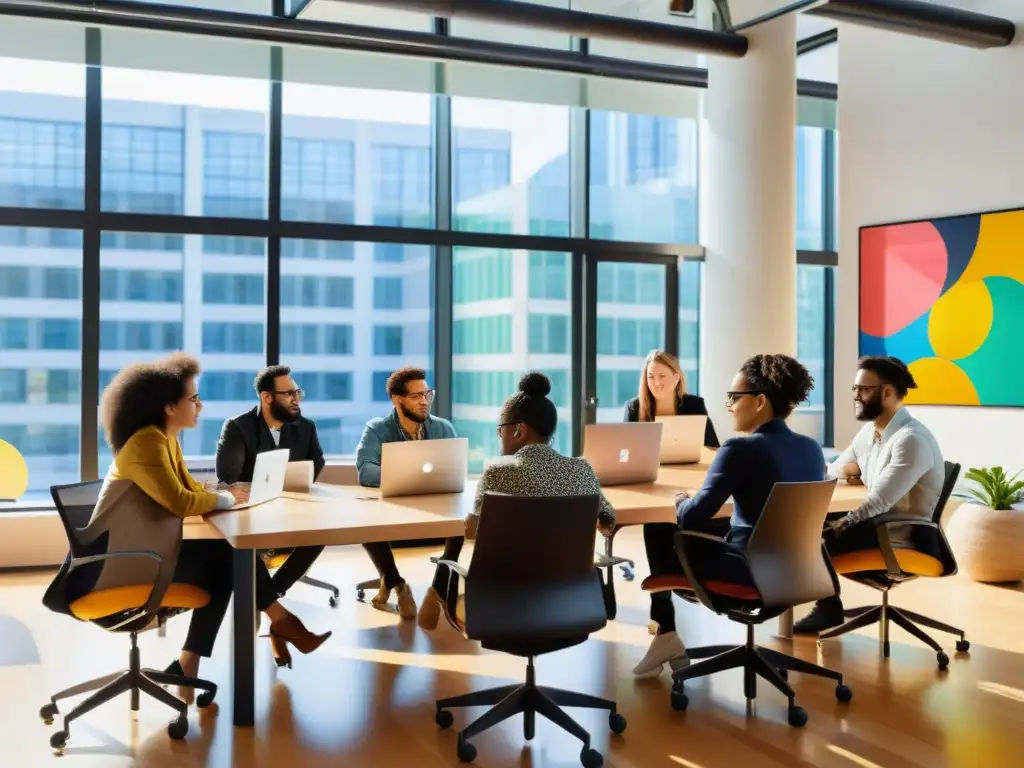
(335, 515)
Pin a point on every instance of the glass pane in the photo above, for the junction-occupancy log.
(811, 347)
(40, 350)
(631, 322)
(503, 327)
(159, 295)
(690, 275)
(178, 143)
(643, 178)
(514, 34)
(348, 321)
(654, 11)
(810, 157)
(42, 134)
(369, 16)
(330, 133)
(510, 167)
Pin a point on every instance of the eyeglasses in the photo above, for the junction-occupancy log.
(732, 397)
(506, 424)
(426, 396)
(860, 389)
(294, 394)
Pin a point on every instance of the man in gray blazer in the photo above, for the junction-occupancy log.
(895, 456)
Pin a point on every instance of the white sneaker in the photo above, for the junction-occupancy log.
(666, 648)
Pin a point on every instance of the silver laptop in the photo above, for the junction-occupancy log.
(682, 439)
(623, 453)
(418, 467)
(267, 478)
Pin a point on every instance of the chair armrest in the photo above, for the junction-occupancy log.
(463, 572)
(683, 540)
(159, 586)
(700, 535)
(882, 523)
(891, 518)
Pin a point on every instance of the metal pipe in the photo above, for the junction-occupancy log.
(814, 42)
(575, 23)
(912, 17)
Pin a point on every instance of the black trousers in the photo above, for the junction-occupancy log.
(384, 561)
(294, 568)
(207, 564)
(659, 542)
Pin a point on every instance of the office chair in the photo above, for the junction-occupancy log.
(531, 589)
(926, 553)
(121, 590)
(275, 558)
(609, 560)
(787, 564)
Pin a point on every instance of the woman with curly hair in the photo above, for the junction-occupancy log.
(762, 396)
(143, 411)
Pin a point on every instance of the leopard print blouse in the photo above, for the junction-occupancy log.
(539, 470)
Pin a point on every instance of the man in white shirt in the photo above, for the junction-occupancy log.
(895, 456)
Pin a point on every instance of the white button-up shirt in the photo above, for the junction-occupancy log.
(902, 468)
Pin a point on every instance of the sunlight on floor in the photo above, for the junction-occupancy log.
(857, 759)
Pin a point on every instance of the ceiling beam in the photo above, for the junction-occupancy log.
(815, 42)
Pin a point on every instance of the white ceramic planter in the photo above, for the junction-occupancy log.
(988, 543)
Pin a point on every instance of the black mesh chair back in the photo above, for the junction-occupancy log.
(532, 574)
(785, 554)
(952, 475)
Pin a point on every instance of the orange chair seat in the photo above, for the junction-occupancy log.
(276, 560)
(108, 602)
(910, 561)
(673, 582)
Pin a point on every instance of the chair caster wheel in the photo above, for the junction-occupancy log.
(178, 728)
(843, 693)
(444, 718)
(47, 712)
(797, 717)
(616, 722)
(962, 646)
(205, 699)
(332, 601)
(466, 751)
(360, 595)
(627, 573)
(59, 740)
(680, 700)
(942, 659)
(591, 758)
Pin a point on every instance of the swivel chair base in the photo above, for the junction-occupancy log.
(907, 620)
(528, 700)
(133, 680)
(335, 592)
(773, 666)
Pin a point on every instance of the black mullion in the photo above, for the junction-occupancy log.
(577, 313)
(828, 200)
(90, 377)
(587, 300)
(443, 269)
(579, 227)
(672, 307)
(274, 205)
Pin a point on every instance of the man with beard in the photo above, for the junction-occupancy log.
(410, 420)
(277, 422)
(895, 456)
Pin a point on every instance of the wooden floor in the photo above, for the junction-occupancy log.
(366, 697)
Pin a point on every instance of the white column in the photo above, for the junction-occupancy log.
(749, 181)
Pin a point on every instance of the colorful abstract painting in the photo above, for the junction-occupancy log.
(946, 296)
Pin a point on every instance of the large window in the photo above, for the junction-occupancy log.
(643, 178)
(810, 209)
(349, 325)
(811, 341)
(501, 332)
(510, 167)
(690, 276)
(40, 352)
(157, 302)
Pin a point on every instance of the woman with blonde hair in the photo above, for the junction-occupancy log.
(663, 393)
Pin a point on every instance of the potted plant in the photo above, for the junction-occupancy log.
(986, 532)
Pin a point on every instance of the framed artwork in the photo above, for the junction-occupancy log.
(946, 296)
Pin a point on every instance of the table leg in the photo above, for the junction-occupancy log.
(785, 630)
(244, 637)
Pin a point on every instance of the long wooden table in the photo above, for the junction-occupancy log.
(336, 515)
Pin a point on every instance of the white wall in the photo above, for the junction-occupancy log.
(927, 129)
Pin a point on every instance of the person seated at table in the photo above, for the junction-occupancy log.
(409, 420)
(763, 394)
(144, 409)
(529, 467)
(895, 456)
(277, 422)
(663, 393)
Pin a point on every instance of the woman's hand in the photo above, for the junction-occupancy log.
(240, 491)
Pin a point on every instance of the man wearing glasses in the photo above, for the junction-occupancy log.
(410, 420)
(277, 422)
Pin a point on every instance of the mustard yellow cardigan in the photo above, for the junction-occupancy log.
(155, 464)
